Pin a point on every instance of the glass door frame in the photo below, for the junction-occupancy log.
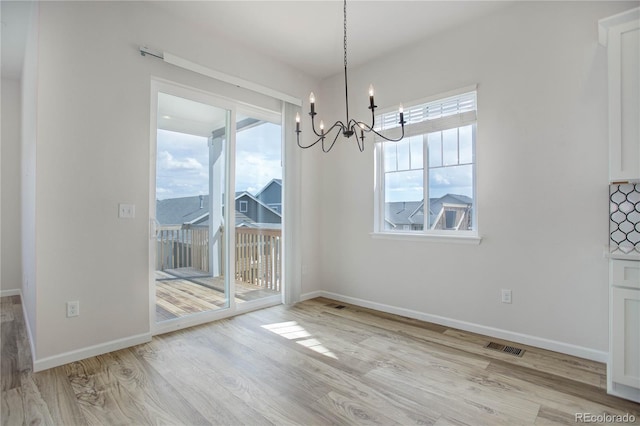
(196, 95)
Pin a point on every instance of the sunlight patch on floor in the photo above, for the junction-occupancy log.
(291, 330)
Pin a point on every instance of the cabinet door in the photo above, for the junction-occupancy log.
(625, 273)
(624, 101)
(625, 328)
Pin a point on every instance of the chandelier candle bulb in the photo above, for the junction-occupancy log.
(371, 106)
(401, 111)
(298, 122)
(312, 101)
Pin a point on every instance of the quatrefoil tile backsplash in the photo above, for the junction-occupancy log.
(624, 218)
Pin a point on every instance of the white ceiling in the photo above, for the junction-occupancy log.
(307, 35)
(186, 116)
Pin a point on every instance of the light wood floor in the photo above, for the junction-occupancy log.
(311, 364)
(186, 291)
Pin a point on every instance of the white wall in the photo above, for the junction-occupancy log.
(10, 270)
(541, 178)
(93, 148)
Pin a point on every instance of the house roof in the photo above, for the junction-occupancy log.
(264, 188)
(194, 210)
(435, 204)
(177, 211)
(398, 213)
(412, 212)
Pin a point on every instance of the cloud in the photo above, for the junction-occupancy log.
(166, 161)
(440, 179)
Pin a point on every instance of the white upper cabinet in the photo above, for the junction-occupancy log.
(621, 35)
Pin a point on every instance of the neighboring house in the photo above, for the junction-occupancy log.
(451, 211)
(403, 215)
(250, 211)
(271, 195)
(253, 213)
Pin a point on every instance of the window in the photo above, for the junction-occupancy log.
(426, 182)
(244, 206)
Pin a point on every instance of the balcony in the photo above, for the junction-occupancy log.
(190, 271)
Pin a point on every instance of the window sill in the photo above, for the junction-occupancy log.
(431, 238)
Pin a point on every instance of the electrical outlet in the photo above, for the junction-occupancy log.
(73, 309)
(506, 295)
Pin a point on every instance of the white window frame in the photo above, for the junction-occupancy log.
(423, 128)
(243, 206)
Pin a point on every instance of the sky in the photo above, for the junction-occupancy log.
(449, 155)
(182, 162)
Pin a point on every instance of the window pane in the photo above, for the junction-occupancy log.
(435, 149)
(403, 186)
(466, 144)
(403, 199)
(451, 190)
(416, 152)
(390, 164)
(403, 154)
(450, 147)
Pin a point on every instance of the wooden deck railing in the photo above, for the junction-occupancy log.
(258, 257)
(258, 253)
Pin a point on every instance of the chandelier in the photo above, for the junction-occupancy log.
(351, 126)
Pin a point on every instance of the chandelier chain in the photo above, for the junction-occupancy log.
(345, 33)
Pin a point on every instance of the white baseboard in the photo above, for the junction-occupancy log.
(12, 292)
(312, 295)
(539, 342)
(77, 355)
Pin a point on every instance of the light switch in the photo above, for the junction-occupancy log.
(126, 211)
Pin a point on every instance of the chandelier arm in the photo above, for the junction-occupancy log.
(338, 124)
(308, 146)
(313, 127)
(360, 142)
(370, 129)
(322, 137)
(332, 143)
(354, 126)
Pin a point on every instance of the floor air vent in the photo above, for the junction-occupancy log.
(511, 350)
(335, 306)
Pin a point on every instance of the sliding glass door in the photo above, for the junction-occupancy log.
(216, 215)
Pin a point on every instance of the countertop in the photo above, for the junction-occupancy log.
(613, 252)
